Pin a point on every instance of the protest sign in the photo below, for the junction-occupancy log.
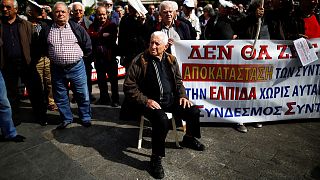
(230, 83)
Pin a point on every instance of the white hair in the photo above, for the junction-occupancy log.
(80, 4)
(171, 4)
(163, 36)
(57, 3)
(15, 3)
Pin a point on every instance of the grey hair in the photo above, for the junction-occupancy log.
(171, 4)
(163, 36)
(255, 2)
(78, 3)
(57, 3)
(15, 3)
(208, 8)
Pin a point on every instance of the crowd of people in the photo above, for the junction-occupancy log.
(51, 51)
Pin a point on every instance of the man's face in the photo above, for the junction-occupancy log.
(61, 14)
(187, 10)
(119, 11)
(8, 10)
(167, 15)
(156, 46)
(101, 14)
(108, 5)
(77, 12)
(44, 13)
(151, 9)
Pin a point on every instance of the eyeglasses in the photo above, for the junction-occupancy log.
(108, 4)
(77, 10)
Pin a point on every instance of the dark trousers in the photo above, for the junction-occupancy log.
(87, 64)
(14, 69)
(111, 68)
(160, 124)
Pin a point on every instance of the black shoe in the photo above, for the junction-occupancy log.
(17, 138)
(156, 167)
(63, 125)
(92, 98)
(42, 119)
(16, 123)
(192, 143)
(103, 102)
(86, 124)
(43, 122)
(115, 104)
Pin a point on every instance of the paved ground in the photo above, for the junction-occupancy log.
(107, 150)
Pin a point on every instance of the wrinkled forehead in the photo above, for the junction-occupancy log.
(101, 10)
(77, 6)
(7, 2)
(167, 8)
(61, 7)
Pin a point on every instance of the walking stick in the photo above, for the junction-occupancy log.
(258, 30)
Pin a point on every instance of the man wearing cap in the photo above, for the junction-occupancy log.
(134, 35)
(16, 60)
(42, 61)
(188, 14)
(220, 27)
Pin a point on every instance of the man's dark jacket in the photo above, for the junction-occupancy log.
(80, 33)
(135, 84)
(26, 37)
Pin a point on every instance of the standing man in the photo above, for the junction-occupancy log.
(42, 62)
(134, 34)
(112, 15)
(78, 17)
(153, 86)
(8, 130)
(104, 36)
(17, 35)
(67, 43)
(175, 29)
(78, 10)
(151, 11)
(188, 14)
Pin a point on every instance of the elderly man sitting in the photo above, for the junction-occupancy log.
(154, 84)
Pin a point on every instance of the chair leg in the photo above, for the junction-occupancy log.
(140, 132)
(174, 127)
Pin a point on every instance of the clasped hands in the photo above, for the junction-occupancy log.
(184, 102)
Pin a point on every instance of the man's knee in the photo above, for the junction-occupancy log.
(193, 111)
(159, 119)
